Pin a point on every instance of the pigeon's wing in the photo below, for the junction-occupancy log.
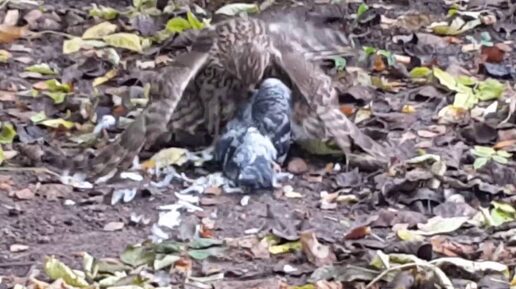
(318, 92)
(167, 91)
(271, 111)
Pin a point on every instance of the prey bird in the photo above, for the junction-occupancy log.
(203, 87)
(257, 138)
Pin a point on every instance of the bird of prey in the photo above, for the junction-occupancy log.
(226, 60)
(257, 138)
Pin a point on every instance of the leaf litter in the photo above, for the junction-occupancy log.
(438, 78)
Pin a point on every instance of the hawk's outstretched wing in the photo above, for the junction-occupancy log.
(317, 90)
(167, 91)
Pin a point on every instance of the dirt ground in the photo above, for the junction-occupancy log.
(41, 217)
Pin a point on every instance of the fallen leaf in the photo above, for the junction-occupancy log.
(7, 134)
(24, 194)
(106, 13)
(167, 157)
(357, 233)
(237, 8)
(18, 248)
(55, 269)
(42, 68)
(9, 33)
(317, 253)
(124, 40)
(440, 225)
(113, 226)
(57, 123)
(99, 31)
(5, 56)
(105, 78)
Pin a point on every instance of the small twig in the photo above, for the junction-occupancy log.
(29, 169)
(387, 271)
(16, 264)
(39, 33)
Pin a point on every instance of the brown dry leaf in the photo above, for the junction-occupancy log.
(260, 250)
(358, 233)
(23, 194)
(378, 64)
(297, 166)
(323, 284)
(54, 191)
(183, 265)
(7, 96)
(316, 253)
(504, 144)
(113, 226)
(492, 54)
(442, 245)
(9, 33)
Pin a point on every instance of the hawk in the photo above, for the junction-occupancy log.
(205, 85)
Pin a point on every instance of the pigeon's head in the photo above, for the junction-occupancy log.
(277, 85)
(257, 175)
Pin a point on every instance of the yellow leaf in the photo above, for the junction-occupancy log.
(170, 156)
(284, 248)
(55, 269)
(58, 122)
(72, 45)
(445, 78)
(5, 55)
(100, 30)
(103, 79)
(124, 40)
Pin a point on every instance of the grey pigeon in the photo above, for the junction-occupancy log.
(257, 137)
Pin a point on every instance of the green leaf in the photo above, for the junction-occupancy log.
(508, 208)
(234, 9)
(202, 254)
(124, 40)
(165, 261)
(362, 9)
(201, 243)
(465, 99)
(340, 63)
(178, 25)
(440, 225)
(136, 256)
(369, 50)
(483, 151)
(2, 156)
(72, 45)
(500, 159)
(139, 4)
(445, 78)
(56, 96)
(106, 13)
(503, 154)
(7, 134)
(100, 30)
(192, 19)
(55, 86)
(39, 117)
(167, 247)
(466, 80)
(42, 68)
(420, 72)
(480, 162)
(489, 89)
(55, 269)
